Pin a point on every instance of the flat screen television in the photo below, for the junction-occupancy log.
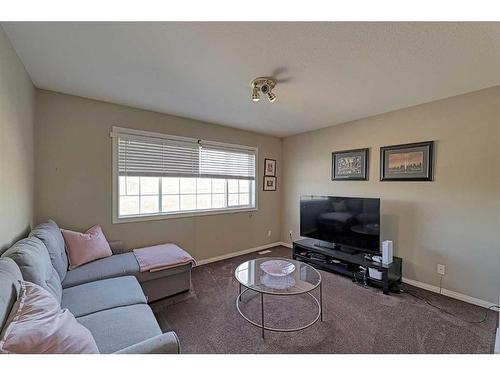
(344, 223)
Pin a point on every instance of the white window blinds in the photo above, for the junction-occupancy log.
(147, 156)
(227, 162)
(150, 156)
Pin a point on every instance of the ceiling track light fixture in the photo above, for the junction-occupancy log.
(264, 86)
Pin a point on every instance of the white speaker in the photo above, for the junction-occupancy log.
(387, 252)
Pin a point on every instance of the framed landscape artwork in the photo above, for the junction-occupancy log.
(269, 183)
(350, 165)
(409, 162)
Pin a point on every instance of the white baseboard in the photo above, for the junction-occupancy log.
(286, 244)
(236, 253)
(449, 293)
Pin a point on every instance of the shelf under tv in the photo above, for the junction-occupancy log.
(348, 263)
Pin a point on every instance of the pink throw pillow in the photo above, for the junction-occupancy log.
(85, 247)
(37, 325)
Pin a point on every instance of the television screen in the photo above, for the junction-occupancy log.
(346, 222)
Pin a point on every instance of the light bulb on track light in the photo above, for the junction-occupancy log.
(255, 94)
(271, 96)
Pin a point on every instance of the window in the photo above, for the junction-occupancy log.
(160, 175)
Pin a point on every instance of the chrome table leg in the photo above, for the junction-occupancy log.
(262, 312)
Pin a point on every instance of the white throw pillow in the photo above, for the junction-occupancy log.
(38, 325)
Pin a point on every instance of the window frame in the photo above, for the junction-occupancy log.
(116, 219)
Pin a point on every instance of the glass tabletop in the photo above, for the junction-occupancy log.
(277, 276)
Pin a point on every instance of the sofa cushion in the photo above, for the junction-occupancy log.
(9, 287)
(101, 295)
(114, 266)
(118, 328)
(33, 260)
(106, 268)
(50, 234)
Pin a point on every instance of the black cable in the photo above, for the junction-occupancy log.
(414, 294)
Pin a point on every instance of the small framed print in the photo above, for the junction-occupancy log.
(409, 162)
(269, 183)
(269, 167)
(350, 165)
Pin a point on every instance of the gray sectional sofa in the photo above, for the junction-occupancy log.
(108, 296)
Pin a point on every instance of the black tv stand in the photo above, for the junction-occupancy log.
(348, 263)
(334, 246)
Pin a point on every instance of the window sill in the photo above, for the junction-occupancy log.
(139, 218)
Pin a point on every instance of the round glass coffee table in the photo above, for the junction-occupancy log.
(278, 277)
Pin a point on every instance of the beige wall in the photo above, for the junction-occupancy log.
(17, 106)
(74, 177)
(454, 220)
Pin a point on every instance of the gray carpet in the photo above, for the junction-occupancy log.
(355, 319)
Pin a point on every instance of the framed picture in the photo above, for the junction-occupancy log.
(409, 162)
(269, 183)
(269, 167)
(350, 165)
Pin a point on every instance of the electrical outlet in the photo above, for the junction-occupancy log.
(290, 233)
(440, 269)
(269, 233)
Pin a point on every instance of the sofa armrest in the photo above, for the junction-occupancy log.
(116, 247)
(167, 343)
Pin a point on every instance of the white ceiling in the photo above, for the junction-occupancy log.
(329, 73)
